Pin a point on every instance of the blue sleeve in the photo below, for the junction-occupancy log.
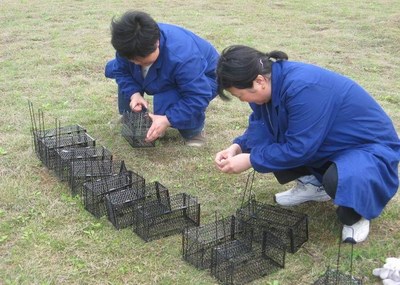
(124, 78)
(195, 91)
(109, 69)
(242, 140)
(256, 133)
(311, 111)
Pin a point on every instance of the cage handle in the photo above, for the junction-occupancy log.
(339, 256)
(248, 187)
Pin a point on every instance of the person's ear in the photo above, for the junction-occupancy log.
(260, 80)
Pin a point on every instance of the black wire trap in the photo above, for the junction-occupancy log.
(290, 226)
(240, 261)
(82, 171)
(334, 277)
(165, 216)
(197, 242)
(64, 157)
(338, 276)
(120, 204)
(94, 192)
(47, 140)
(134, 128)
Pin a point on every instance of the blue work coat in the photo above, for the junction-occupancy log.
(317, 116)
(182, 79)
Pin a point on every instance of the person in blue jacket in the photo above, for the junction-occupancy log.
(168, 62)
(314, 123)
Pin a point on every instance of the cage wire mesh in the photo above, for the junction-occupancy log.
(334, 277)
(64, 157)
(288, 225)
(242, 260)
(51, 144)
(46, 141)
(82, 171)
(165, 216)
(38, 130)
(134, 128)
(120, 204)
(94, 191)
(339, 276)
(197, 242)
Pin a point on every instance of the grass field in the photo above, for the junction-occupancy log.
(53, 53)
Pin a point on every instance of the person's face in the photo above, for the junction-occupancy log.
(259, 94)
(148, 60)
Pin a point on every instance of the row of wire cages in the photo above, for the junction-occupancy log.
(148, 209)
(237, 249)
(106, 186)
(71, 152)
(135, 126)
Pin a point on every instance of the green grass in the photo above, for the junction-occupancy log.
(53, 53)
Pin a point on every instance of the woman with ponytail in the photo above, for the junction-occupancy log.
(314, 126)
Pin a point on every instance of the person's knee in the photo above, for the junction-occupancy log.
(330, 180)
(288, 175)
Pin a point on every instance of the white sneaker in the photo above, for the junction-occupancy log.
(357, 232)
(301, 193)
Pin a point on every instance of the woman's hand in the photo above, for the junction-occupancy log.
(231, 151)
(157, 128)
(232, 160)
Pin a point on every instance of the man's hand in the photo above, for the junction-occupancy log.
(138, 102)
(157, 128)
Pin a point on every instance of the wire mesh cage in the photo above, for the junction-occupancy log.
(165, 216)
(39, 131)
(134, 128)
(335, 277)
(47, 140)
(120, 204)
(290, 226)
(49, 145)
(82, 171)
(64, 156)
(197, 242)
(340, 276)
(94, 191)
(241, 260)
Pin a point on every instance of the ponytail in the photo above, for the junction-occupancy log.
(277, 55)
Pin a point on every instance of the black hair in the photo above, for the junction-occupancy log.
(135, 34)
(239, 65)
